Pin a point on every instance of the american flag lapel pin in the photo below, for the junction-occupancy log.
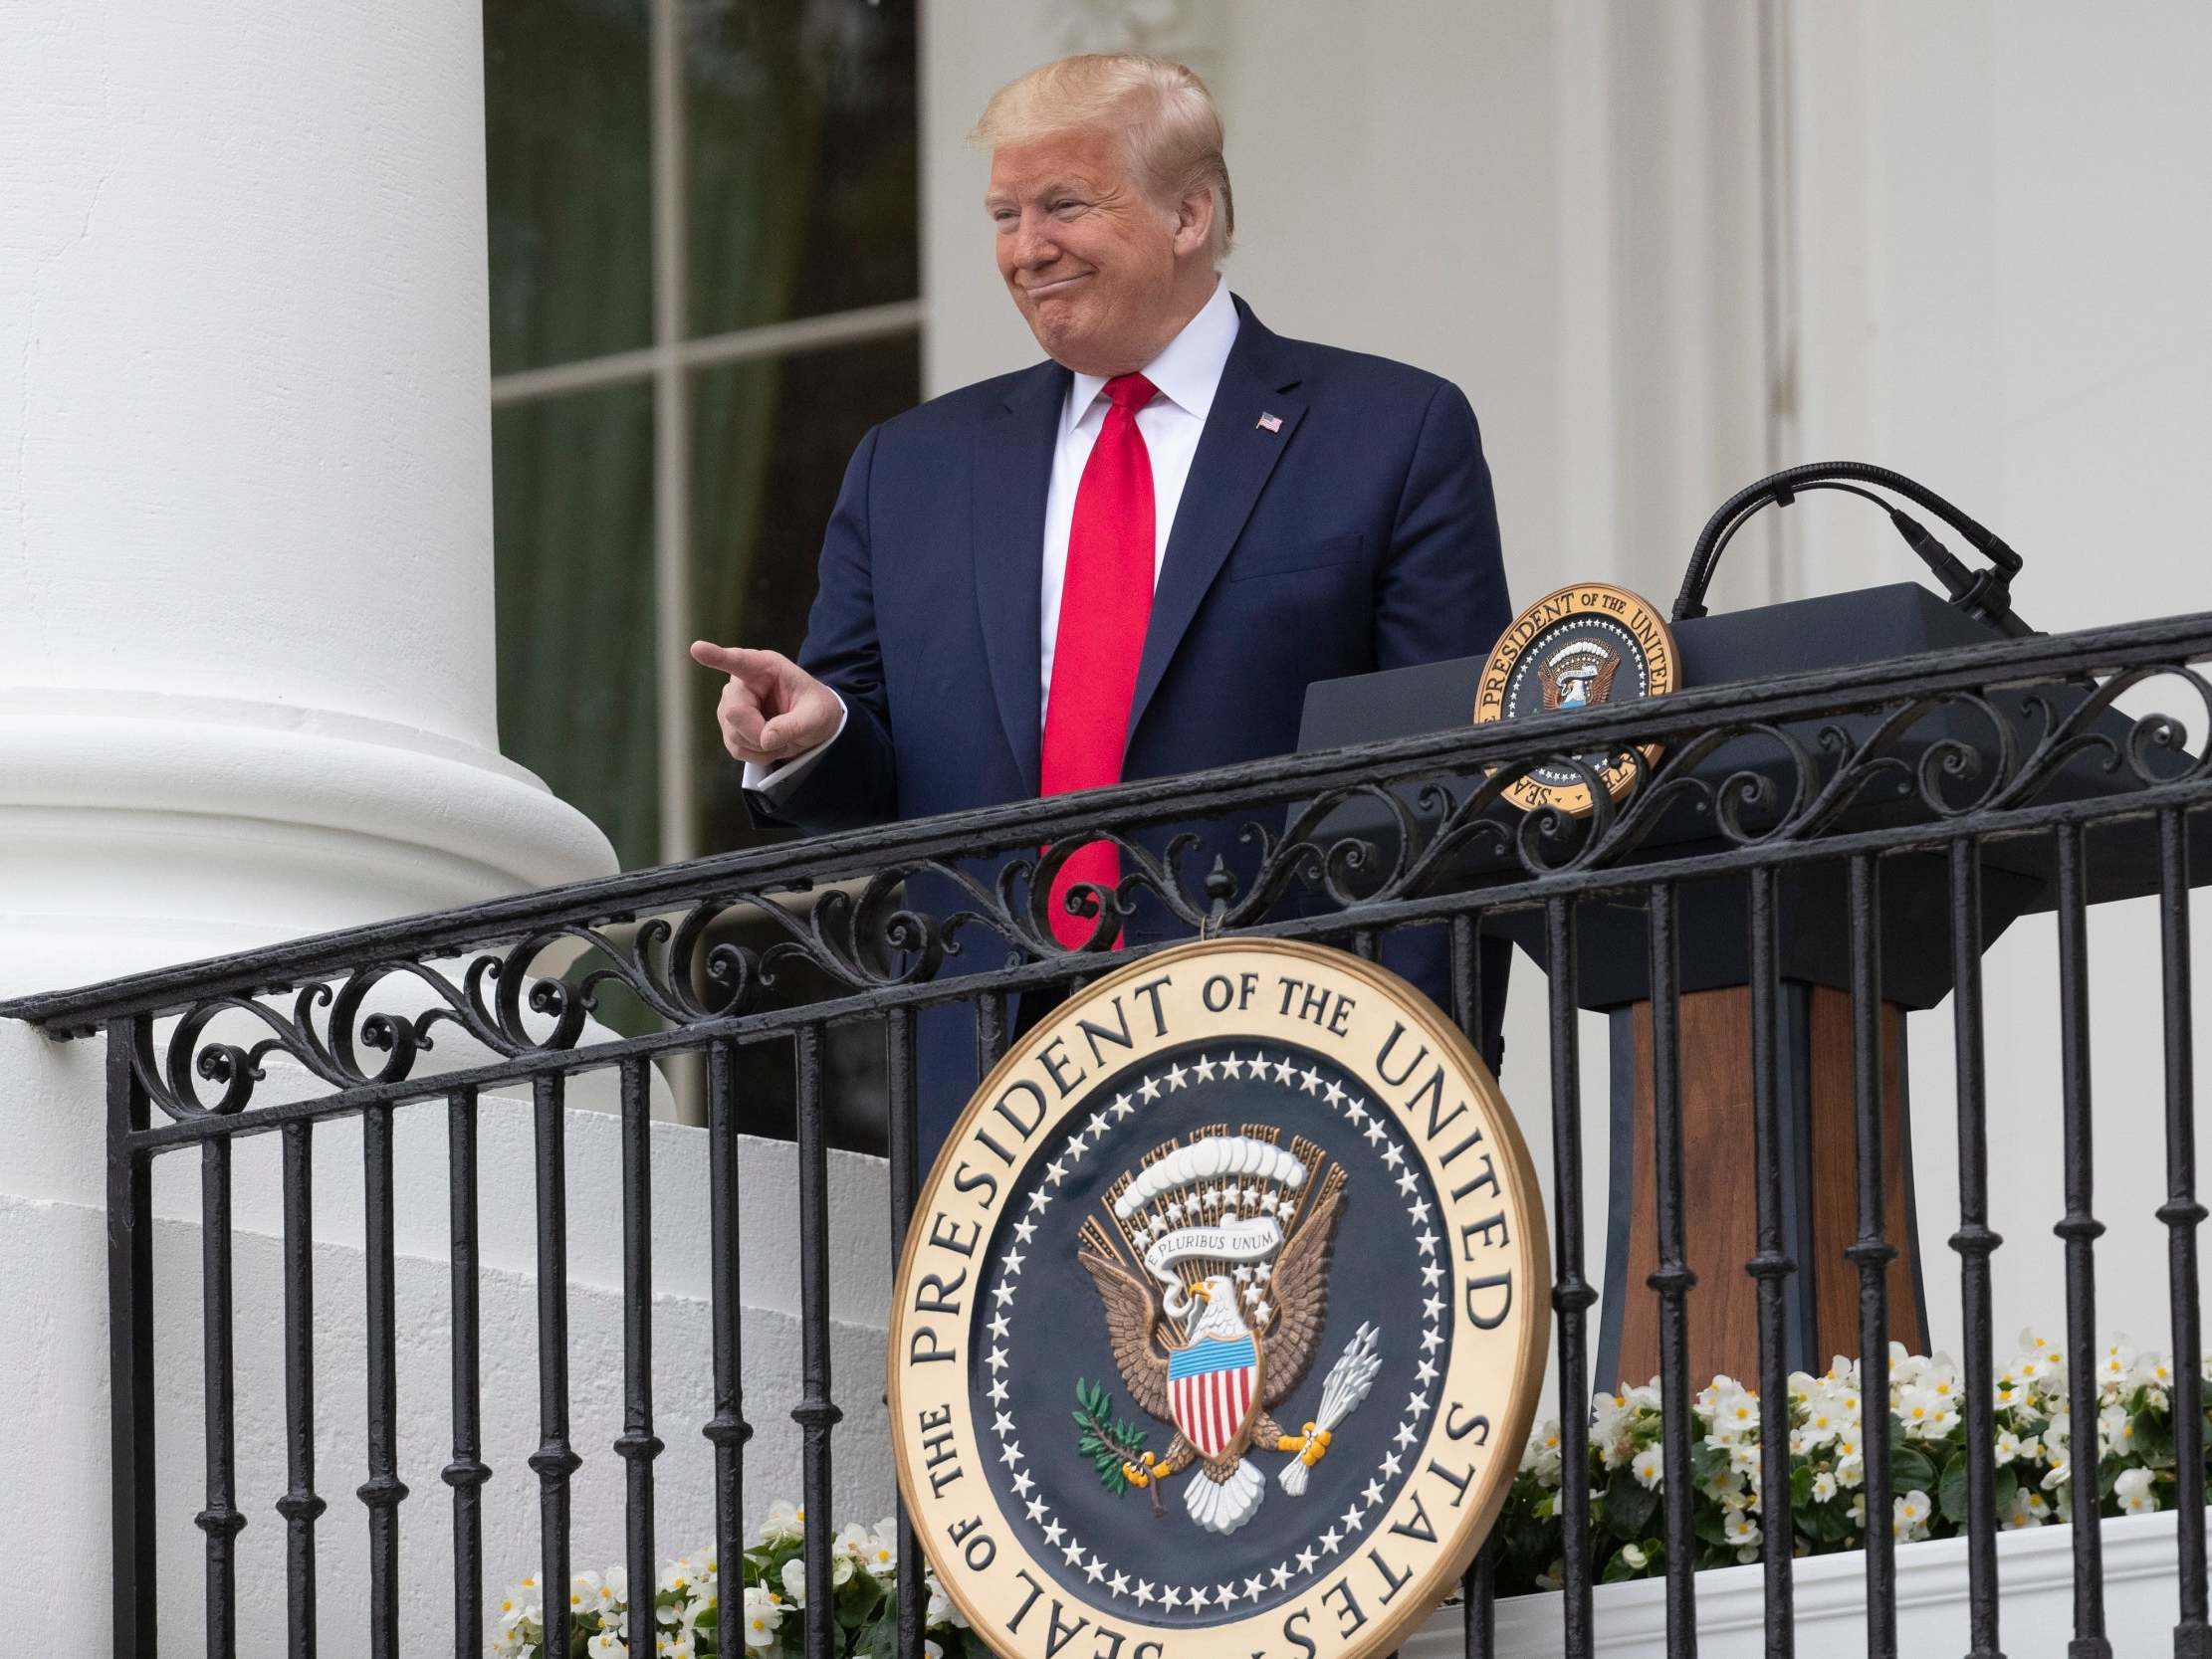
(1270, 423)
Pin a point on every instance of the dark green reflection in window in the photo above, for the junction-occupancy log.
(567, 150)
(572, 532)
(771, 441)
(801, 155)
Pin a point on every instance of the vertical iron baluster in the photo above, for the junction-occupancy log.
(129, 1347)
(638, 1445)
(727, 1429)
(1772, 1267)
(2079, 1230)
(1478, 1604)
(1572, 1293)
(1478, 1586)
(220, 1520)
(2182, 1214)
(815, 1415)
(467, 1473)
(903, 1126)
(990, 1032)
(300, 1505)
(1974, 1241)
(383, 1491)
(555, 1460)
(1672, 1279)
(1872, 1253)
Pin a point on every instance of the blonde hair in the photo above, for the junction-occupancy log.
(1173, 128)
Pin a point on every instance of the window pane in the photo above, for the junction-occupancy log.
(801, 158)
(771, 442)
(572, 530)
(568, 148)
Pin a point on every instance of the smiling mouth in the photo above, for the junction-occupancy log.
(1045, 290)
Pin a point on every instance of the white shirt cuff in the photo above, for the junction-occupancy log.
(775, 782)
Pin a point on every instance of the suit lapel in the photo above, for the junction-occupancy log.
(1235, 458)
(1013, 471)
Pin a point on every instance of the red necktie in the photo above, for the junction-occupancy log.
(1105, 602)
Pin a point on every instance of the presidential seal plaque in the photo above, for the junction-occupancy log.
(1583, 645)
(1221, 1317)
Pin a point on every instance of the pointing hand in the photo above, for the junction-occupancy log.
(772, 709)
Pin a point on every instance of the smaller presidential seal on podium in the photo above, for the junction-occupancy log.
(1583, 645)
(1221, 1317)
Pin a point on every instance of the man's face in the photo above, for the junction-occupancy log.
(1089, 258)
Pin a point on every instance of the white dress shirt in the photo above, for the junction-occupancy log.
(1186, 373)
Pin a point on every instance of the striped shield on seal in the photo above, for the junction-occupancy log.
(1209, 1389)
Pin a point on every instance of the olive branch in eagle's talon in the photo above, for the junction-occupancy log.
(1114, 1445)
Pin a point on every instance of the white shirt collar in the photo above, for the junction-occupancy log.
(1187, 372)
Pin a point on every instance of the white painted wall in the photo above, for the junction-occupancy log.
(2004, 229)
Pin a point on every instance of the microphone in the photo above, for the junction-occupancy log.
(1984, 594)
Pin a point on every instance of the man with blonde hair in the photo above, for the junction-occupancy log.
(1129, 560)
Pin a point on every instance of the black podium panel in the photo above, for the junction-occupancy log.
(1833, 631)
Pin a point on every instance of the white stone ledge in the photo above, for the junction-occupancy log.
(2035, 1574)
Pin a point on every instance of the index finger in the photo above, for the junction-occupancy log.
(732, 659)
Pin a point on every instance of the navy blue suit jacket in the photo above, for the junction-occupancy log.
(1360, 534)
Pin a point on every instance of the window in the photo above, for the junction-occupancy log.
(704, 280)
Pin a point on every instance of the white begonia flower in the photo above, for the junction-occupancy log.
(607, 1645)
(2115, 1430)
(2119, 1363)
(785, 1525)
(2022, 1515)
(795, 1581)
(1634, 1556)
(1927, 1415)
(1909, 1516)
(1740, 1529)
(941, 1607)
(762, 1615)
(1735, 1415)
(2058, 1473)
(2134, 1490)
(882, 1557)
(931, 1650)
(1824, 1487)
(1649, 1467)
(852, 1544)
(2007, 1447)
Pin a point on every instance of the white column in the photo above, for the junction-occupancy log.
(246, 627)
(245, 666)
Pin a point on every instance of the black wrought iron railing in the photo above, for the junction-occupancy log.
(1949, 756)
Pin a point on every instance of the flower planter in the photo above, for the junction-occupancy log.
(2035, 1576)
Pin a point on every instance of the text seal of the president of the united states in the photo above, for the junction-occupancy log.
(1221, 1317)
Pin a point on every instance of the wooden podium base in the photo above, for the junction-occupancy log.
(1720, 1191)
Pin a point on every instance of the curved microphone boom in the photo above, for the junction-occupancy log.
(1984, 594)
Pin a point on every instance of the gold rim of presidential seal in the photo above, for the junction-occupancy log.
(1622, 634)
(1208, 998)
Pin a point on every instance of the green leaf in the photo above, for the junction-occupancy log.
(1950, 1496)
(1628, 1504)
(2008, 1487)
(1910, 1469)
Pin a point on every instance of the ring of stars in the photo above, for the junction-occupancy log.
(1370, 1121)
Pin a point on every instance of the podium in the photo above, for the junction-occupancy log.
(1816, 1035)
